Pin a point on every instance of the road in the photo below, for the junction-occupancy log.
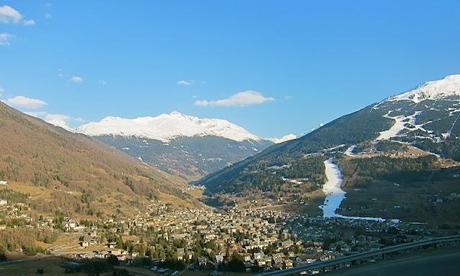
(434, 262)
(366, 255)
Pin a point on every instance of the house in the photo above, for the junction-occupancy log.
(180, 252)
(220, 258)
(286, 243)
(100, 255)
(268, 261)
(2, 182)
(70, 225)
(258, 255)
(278, 259)
(288, 264)
(246, 257)
(261, 263)
(202, 261)
(84, 244)
(111, 245)
(116, 252)
(189, 255)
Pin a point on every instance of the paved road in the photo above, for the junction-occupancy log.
(366, 255)
(438, 262)
(14, 262)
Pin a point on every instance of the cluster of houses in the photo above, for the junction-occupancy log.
(264, 239)
(245, 232)
(120, 254)
(352, 236)
(15, 215)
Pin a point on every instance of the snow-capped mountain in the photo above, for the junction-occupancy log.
(177, 143)
(432, 90)
(404, 149)
(166, 127)
(285, 138)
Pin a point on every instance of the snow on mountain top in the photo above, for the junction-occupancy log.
(432, 90)
(166, 127)
(285, 138)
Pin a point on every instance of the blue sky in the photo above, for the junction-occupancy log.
(296, 64)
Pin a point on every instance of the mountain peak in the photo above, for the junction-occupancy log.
(178, 114)
(432, 90)
(166, 127)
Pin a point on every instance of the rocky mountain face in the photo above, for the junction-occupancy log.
(59, 171)
(398, 158)
(184, 145)
(188, 157)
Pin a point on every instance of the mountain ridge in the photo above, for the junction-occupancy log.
(75, 173)
(166, 127)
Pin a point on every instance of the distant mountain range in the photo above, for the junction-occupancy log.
(184, 145)
(399, 157)
(60, 171)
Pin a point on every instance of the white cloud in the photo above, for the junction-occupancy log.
(48, 15)
(10, 15)
(76, 79)
(60, 73)
(5, 39)
(59, 120)
(283, 139)
(185, 82)
(244, 98)
(29, 22)
(25, 102)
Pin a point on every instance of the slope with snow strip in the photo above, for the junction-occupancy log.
(398, 126)
(390, 155)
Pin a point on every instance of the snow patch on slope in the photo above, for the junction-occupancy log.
(349, 151)
(166, 127)
(398, 126)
